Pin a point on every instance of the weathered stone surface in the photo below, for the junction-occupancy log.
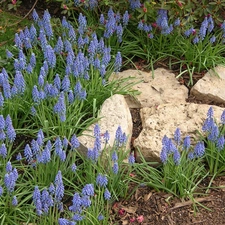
(114, 112)
(211, 87)
(164, 88)
(164, 120)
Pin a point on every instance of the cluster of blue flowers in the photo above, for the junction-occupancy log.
(7, 133)
(82, 201)
(81, 52)
(39, 152)
(10, 178)
(92, 4)
(206, 27)
(161, 24)
(213, 132)
(114, 23)
(50, 197)
(176, 149)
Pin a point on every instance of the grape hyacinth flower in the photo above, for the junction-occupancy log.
(6, 89)
(222, 118)
(74, 142)
(199, 149)
(60, 106)
(214, 133)
(134, 4)
(176, 157)
(19, 82)
(82, 24)
(102, 19)
(28, 153)
(1, 100)
(114, 156)
(115, 168)
(14, 201)
(19, 157)
(59, 187)
(9, 54)
(188, 32)
(77, 217)
(177, 136)
(76, 207)
(88, 189)
(35, 94)
(187, 143)
(1, 190)
(212, 39)
(118, 62)
(220, 143)
(57, 81)
(107, 194)
(100, 217)
(35, 15)
(11, 134)
(131, 159)
(106, 137)
(8, 167)
(126, 18)
(196, 40)
(59, 46)
(3, 151)
(73, 167)
(10, 181)
(63, 221)
(163, 155)
(2, 122)
(101, 180)
(50, 56)
(177, 22)
(85, 201)
(203, 28)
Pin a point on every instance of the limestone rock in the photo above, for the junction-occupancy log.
(211, 87)
(114, 112)
(163, 88)
(164, 120)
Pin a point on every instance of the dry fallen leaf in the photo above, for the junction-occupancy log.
(125, 222)
(130, 209)
(147, 196)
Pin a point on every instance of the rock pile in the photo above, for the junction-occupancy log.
(163, 108)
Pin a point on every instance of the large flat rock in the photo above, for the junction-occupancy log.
(164, 120)
(163, 88)
(211, 87)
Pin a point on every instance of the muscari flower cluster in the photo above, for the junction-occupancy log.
(114, 23)
(213, 132)
(162, 24)
(7, 134)
(90, 53)
(40, 153)
(49, 197)
(165, 28)
(206, 27)
(82, 201)
(10, 178)
(92, 4)
(169, 148)
(120, 141)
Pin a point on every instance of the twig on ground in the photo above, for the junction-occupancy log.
(190, 202)
(11, 25)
